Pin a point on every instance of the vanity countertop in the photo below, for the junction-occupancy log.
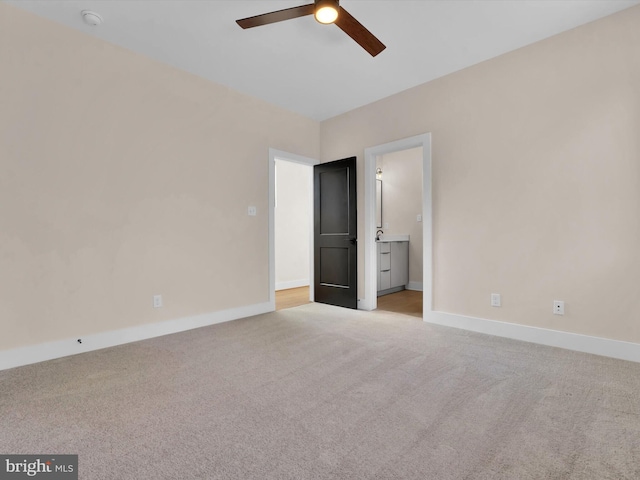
(393, 238)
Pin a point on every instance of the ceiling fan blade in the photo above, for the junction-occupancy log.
(359, 33)
(278, 16)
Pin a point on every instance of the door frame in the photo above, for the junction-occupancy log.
(288, 157)
(370, 278)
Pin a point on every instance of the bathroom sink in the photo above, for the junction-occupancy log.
(393, 238)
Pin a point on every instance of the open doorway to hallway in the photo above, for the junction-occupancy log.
(292, 217)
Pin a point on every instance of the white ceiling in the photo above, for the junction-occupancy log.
(317, 70)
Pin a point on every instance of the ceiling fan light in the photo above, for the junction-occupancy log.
(326, 11)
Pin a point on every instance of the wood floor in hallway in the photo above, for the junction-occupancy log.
(408, 302)
(292, 297)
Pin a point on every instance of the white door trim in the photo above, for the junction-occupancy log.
(289, 157)
(370, 301)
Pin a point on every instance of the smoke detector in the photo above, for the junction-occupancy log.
(91, 18)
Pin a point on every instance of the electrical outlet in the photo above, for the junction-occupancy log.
(418, 218)
(495, 300)
(252, 211)
(157, 301)
(558, 307)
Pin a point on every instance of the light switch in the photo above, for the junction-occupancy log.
(496, 301)
(419, 218)
(157, 301)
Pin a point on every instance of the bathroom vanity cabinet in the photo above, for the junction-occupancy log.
(393, 266)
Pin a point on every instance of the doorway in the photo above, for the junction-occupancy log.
(284, 276)
(370, 265)
(399, 214)
(292, 217)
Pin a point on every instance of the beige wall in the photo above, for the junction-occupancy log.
(121, 178)
(536, 178)
(402, 202)
(292, 224)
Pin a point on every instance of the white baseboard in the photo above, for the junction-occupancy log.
(417, 286)
(292, 284)
(554, 338)
(62, 348)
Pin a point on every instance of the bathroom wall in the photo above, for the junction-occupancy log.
(402, 203)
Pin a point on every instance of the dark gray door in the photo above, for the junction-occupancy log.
(335, 239)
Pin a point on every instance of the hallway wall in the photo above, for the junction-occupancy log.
(292, 224)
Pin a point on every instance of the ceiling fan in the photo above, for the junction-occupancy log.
(325, 11)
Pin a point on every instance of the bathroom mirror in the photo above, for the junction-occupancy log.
(378, 203)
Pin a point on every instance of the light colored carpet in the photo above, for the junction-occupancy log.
(319, 392)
